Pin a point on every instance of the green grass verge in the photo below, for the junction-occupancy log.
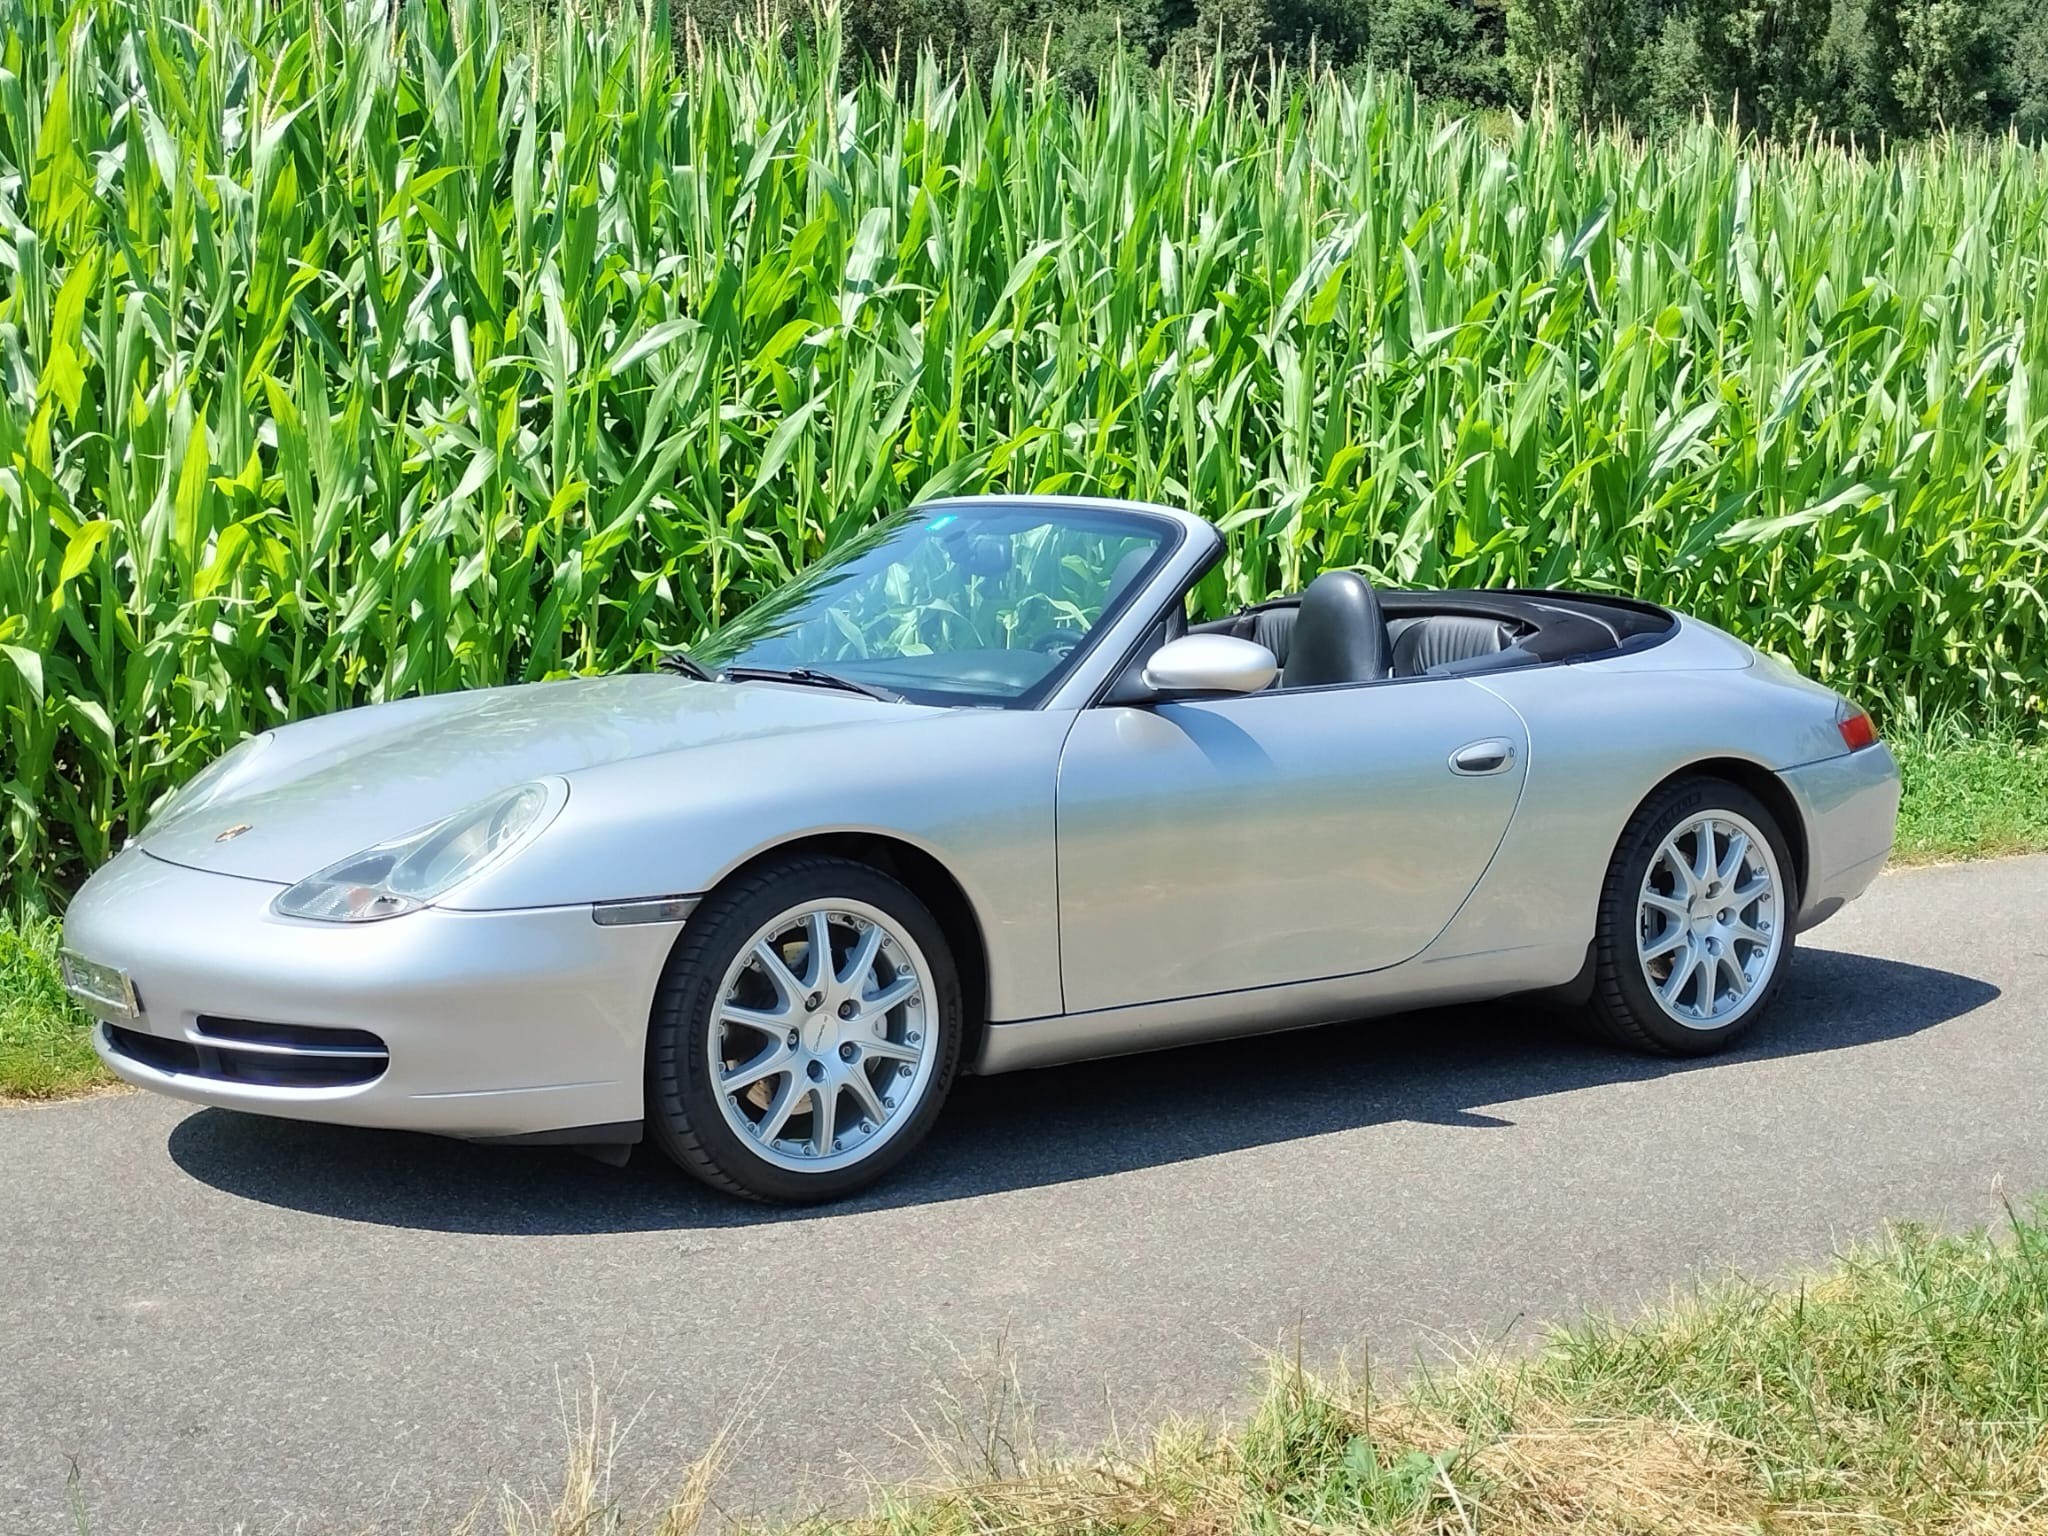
(1899, 1391)
(1967, 796)
(44, 1053)
(1971, 795)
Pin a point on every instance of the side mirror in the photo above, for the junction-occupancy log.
(1209, 664)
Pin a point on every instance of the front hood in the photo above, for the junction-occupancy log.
(331, 786)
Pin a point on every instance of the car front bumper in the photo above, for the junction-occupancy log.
(1850, 807)
(492, 1024)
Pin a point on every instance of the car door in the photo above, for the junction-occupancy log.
(1211, 845)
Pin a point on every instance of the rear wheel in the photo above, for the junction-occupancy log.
(805, 1032)
(1695, 923)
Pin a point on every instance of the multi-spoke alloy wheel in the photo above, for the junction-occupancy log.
(1708, 924)
(806, 1030)
(1695, 923)
(820, 1035)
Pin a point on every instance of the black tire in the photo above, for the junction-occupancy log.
(1624, 1009)
(683, 1111)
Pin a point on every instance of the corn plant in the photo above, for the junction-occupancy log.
(353, 348)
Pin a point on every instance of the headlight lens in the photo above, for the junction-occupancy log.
(210, 782)
(407, 873)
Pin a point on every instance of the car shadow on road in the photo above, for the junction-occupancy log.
(1456, 1066)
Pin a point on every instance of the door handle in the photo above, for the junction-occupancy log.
(1496, 754)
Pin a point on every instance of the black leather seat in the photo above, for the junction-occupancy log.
(1274, 629)
(1339, 636)
(1441, 639)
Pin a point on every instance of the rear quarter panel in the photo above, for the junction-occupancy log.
(1602, 735)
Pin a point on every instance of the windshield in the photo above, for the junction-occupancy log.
(983, 605)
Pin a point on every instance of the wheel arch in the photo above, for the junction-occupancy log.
(1776, 795)
(928, 879)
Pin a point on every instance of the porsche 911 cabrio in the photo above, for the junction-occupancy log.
(974, 793)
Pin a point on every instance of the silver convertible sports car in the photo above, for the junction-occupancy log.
(973, 794)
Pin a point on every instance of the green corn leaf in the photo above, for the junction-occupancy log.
(28, 666)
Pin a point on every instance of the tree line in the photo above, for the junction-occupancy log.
(1861, 70)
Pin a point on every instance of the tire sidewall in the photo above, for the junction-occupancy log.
(682, 1091)
(1670, 809)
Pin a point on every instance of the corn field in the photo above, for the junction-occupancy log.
(355, 349)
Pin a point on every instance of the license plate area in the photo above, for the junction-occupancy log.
(102, 990)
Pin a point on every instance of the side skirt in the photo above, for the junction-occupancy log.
(1418, 983)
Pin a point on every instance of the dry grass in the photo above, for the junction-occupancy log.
(591, 1500)
(1904, 1391)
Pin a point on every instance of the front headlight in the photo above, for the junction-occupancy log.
(212, 781)
(407, 873)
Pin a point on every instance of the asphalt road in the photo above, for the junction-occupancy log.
(212, 1322)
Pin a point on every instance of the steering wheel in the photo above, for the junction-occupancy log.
(1058, 642)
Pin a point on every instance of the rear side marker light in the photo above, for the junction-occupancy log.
(1857, 730)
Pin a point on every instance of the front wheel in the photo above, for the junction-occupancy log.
(1695, 922)
(805, 1033)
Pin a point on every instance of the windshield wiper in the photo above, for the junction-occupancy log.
(811, 677)
(686, 665)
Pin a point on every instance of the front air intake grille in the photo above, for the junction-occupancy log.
(299, 1036)
(239, 1051)
(153, 1052)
